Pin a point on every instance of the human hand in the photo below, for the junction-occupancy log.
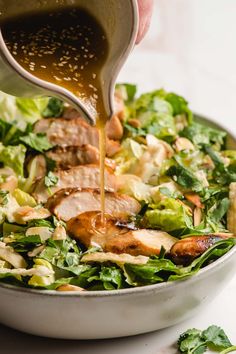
(145, 12)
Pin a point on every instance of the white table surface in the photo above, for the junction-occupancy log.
(190, 49)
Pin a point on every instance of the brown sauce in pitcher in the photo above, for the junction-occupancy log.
(68, 48)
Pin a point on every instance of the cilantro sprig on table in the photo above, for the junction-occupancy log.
(195, 341)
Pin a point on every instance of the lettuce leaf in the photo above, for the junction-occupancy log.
(168, 215)
(21, 111)
(63, 254)
(128, 156)
(54, 108)
(156, 112)
(38, 142)
(14, 157)
(126, 91)
(222, 174)
(155, 116)
(184, 178)
(200, 134)
(108, 278)
(179, 105)
(154, 271)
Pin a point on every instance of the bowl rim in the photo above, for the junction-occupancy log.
(139, 289)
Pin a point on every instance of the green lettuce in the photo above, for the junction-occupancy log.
(9, 133)
(185, 178)
(156, 113)
(107, 278)
(126, 91)
(65, 255)
(42, 281)
(222, 174)
(54, 108)
(13, 157)
(38, 142)
(127, 158)
(154, 271)
(179, 105)
(168, 215)
(21, 111)
(22, 243)
(24, 198)
(200, 134)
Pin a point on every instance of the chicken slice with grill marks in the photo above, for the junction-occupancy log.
(70, 156)
(85, 176)
(77, 132)
(69, 203)
(88, 229)
(185, 250)
(114, 127)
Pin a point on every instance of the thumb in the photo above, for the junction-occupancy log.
(145, 8)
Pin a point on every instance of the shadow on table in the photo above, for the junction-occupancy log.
(14, 342)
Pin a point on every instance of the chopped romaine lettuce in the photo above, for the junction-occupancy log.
(54, 108)
(14, 157)
(126, 91)
(179, 105)
(24, 198)
(38, 142)
(185, 178)
(42, 280)
(168, 215)
(21, 111)
(200, 134)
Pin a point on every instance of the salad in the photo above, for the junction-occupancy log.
(170, 194)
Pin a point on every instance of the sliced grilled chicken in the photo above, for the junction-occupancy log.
(61, 132)
(69, 203)
(69, 156)
(77, 132)
(141, 242)
(87, 228)
(114, 128)
(86, 176)
(185, 250)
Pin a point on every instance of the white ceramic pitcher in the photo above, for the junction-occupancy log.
(119, 19)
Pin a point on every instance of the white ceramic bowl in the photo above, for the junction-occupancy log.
(107, 314)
